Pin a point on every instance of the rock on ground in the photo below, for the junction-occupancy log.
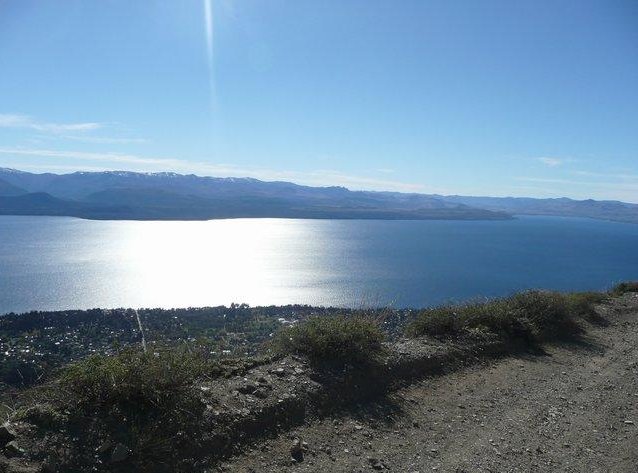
(573, 408)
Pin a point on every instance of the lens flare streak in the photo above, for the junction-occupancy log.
(208, 19)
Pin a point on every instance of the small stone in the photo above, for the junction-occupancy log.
(7, 434)
(247, 388)
(296, 450)
(120, 453)
(12, 449)
(629, 422)
(280, 372)
(104, 448)
(48, 466)
(375, 463)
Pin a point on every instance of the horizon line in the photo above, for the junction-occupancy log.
(173, 173)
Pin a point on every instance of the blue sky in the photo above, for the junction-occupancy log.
(527, 98)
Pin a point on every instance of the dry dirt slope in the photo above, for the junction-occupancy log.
(572, 409)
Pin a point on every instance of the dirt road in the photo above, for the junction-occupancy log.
(573, 408)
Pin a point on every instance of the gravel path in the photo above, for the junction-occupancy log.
(573, 408)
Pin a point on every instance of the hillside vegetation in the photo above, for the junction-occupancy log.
(180, 407)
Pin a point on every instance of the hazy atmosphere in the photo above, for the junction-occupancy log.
(474, 98)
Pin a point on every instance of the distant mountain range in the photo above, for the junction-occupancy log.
(121, 195)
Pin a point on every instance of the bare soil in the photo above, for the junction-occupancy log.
(457, 406)
(572, 407)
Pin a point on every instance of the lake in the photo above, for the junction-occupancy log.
(51, 263)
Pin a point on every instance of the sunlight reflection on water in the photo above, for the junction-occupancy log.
(60, 263)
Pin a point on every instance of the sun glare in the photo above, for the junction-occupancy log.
(208, 23)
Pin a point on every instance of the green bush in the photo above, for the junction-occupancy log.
(147, 401)
(439, 321)
(135, 380)
(454, 320)
(582, 304)
(545, 313)
(333, 340)
(625, 287)
(531, 315)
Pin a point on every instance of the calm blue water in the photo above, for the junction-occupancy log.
(59, 263)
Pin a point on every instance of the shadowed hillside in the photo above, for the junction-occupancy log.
(170, 196)
(185, 406)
